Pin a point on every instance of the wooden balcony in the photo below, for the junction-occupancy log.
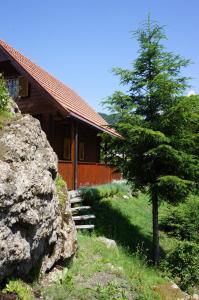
(87, 173)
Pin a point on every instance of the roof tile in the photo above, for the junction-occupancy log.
(62, 94)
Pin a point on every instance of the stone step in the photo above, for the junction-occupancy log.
(85, 226)
(74, 209)
(76, 200)
(73, 194)
(84, 217)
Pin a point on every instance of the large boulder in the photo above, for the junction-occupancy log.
(33, 228)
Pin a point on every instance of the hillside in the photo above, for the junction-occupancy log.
(124, 272)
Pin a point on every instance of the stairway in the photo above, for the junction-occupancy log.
(81, 219)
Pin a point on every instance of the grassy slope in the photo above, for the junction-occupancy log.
(128, 221)
(101, 273)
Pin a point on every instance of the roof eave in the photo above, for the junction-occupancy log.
(92, 124)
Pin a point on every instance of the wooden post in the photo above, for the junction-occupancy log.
(76, 158)
(51, 126)
(74, 152)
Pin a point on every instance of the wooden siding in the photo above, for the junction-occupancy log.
(58, 125)
(36, 102)
(65, 169)
(88, 136)
(88, 173)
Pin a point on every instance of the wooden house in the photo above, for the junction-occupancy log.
(70, 124)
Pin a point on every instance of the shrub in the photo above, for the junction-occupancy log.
(95, 193)
(20, 288)
(182, 221)
(61, 191)
(4, 95)
(182, 264)
(111, 291)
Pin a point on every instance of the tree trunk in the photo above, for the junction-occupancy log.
(156, 247)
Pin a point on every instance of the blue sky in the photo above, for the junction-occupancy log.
(80, 41)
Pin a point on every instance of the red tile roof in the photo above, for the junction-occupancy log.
(72, 103)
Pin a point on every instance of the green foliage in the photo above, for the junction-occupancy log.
(20, 288)
(110, 118)
(126, 220)
(4, 95)
(61, 191)
(153, 119)
(95, 193)
(182, 264)
(5, 102)
(173, 189)
(159, 150)
(182, 221)
(61, 288)
(111, 291)
(4, 117)
(122, 274)
(99, 271)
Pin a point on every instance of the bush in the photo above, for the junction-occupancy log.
(4, 95)
(20, 288)
(61, 191)
(182, 221)
(182, 264)
(95, 193)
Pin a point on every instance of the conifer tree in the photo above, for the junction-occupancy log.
(159, 149)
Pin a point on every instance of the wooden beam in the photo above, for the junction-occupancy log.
(74, 152)
(76, 158)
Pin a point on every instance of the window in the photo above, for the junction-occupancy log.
(17, 87)
(81, 150)
(13, 87)
(67, 148)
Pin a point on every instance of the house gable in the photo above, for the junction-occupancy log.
(66, 100)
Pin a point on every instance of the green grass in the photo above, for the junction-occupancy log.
(95, 193)
(128, 275)
(127, 220)
(123, 273)
(21, 289)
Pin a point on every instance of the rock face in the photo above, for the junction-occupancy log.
(33, 228)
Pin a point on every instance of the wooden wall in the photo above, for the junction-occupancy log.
(88, 174)
(52, 122)
(89, 137)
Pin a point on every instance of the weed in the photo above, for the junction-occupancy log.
(20, 288)
(4, 117)
(61, 191)
(182, 264)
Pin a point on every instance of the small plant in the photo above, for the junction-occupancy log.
(182, 221)
(111, 291)
(64, 278)
(20, 288)
(5, 103)
(61, 288)
(95, 193)
(61, 191)
(182, 264)
(4, 95)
